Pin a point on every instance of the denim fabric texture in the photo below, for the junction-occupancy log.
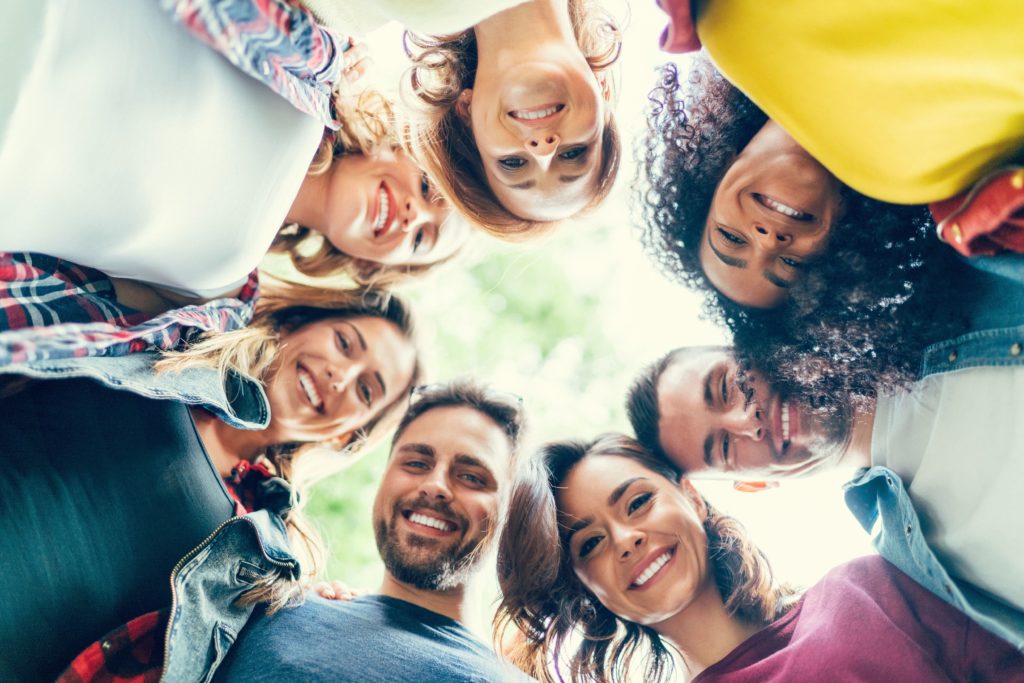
(205, 616)
(240, 401)
(880, 502)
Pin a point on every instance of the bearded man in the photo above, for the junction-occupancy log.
(435, 515)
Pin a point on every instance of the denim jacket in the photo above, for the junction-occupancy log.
(205, 585)
(880, 502)
(239, 401)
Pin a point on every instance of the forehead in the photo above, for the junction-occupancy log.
(683, 413)
(588, 485)
(460, 430)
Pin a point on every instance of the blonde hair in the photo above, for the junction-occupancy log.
(367, 126)
(282, 308)
(443, 143)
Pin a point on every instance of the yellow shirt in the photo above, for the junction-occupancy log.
(907, 101)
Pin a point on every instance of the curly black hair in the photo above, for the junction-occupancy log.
(859, 319)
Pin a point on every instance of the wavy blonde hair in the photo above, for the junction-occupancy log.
(443, 143)
(545, 607)
(367, 126)
(283, 308)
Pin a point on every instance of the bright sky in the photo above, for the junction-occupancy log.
(803, 526)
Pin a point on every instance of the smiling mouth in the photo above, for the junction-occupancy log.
(385, 211)
(786, 210)
(309, 388)
(430, 522)
(652, 569)
(534, 116)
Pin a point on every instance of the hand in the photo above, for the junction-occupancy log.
(356, 63)
(335, 590)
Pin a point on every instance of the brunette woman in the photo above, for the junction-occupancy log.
(610, 561)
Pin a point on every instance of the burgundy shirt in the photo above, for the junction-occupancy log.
(866, 621)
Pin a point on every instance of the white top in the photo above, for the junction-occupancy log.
(136, 149)
(957, 441)
(428, 17)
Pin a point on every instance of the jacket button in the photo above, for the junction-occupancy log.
(1017, 180)
(953, 355)
(1015, 349)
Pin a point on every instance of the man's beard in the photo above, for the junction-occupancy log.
(425, 562)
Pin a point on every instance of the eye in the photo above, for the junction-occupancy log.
(791, 262)
(416, 465)
(472, 479)
(588, 545)
(425, 186)
(512, 163)
(574, 153)
(730, 237)
(639, 502)
(342, 342)
(366, 393)
(418, 240)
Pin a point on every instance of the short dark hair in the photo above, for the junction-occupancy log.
(503, 409)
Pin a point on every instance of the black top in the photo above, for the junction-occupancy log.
(101, 493)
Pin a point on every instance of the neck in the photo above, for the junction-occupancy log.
(704, 632)
(450, 603)
(533, 26)
(309, 207)
(226, 445)
(859, 452)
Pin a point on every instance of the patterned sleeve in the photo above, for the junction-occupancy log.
(277, 42)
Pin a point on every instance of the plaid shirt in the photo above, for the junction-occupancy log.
(277, 42)
(67, 311)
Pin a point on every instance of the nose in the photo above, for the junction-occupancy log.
(542, 147)
(341, 378)
(745, 418)
(434, 486)
(419, 211)
(771, 239)
(629, 541)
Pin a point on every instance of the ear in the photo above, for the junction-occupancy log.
(606, 87)
(754, 486)
(463, 106)
(695, 498)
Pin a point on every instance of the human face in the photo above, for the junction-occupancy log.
(717, 420)
(636, 540)
(770, 216)
(383, 208)
(538, 127)
(440, 497)
(334, 376)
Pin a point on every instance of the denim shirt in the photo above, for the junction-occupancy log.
(205, 585)
(877, 496)
(880, 502)
(239, 401)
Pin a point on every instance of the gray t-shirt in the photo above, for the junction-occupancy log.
(372, 639)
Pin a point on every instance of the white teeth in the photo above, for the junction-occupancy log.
(309, 386)
(785, 420)
(385, 206)
(533, 115)
(652, 569)
(430, 521)
(782, 208)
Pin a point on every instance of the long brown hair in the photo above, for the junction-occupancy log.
(443, 143)
(545, 605)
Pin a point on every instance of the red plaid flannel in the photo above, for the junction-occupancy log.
(133, 653)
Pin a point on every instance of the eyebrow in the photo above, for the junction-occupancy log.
(473, 461)
(741, 263)
(531, 183)
(380, 380)
(359, 335)
(709, 444)
(570, 178)
(421, 448)
(620, 489)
